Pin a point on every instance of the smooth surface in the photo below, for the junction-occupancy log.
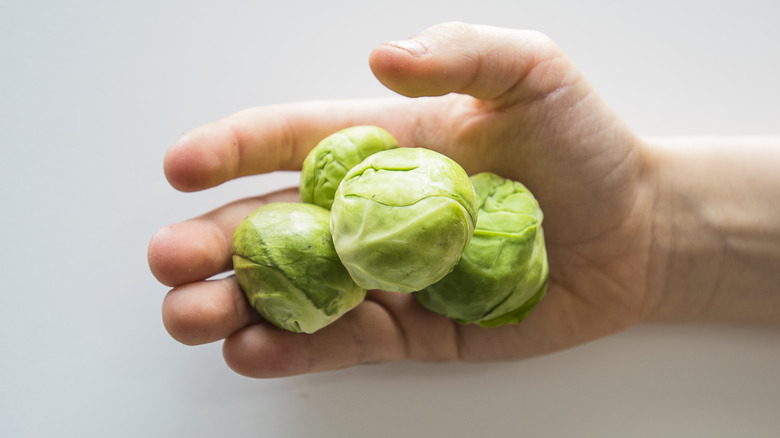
(92, 93)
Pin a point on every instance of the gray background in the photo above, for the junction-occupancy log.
(91, 95)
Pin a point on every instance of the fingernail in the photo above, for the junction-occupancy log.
(412, 46)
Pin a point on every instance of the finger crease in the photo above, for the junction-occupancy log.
(395, 320)
(288, 145)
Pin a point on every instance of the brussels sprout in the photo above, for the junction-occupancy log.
(329, 161)
(284, 260)
(401, 219)
(503, 271)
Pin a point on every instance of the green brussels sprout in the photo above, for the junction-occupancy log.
(503, 271)
(329, 161)
(401, 219)
(284, 260)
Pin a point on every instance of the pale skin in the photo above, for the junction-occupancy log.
(637, 229)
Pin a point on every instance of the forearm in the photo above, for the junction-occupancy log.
(716, 240)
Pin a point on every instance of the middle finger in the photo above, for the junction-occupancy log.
(199, 248)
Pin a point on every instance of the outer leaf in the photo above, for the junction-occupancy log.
(285, 262)
(331, 159)
(401, 219)
(503, 272)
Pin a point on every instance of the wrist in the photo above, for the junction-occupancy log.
(716, 249)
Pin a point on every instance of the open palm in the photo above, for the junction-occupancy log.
(495, 100)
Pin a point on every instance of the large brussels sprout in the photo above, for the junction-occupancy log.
(401, 219)
(503, 271)
(284, 260)
(329, 161)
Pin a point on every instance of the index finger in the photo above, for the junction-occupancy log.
(270, 138)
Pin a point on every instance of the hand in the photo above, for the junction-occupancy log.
(495, 100)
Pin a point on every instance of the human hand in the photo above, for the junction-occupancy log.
(497, 100)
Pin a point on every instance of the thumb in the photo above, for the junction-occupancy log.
(486, 62)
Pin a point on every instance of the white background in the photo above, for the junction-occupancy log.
(91, 95)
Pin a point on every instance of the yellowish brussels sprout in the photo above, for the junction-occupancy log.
(503, 271)
(401, 219)
(325, 166)
(285, 262)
